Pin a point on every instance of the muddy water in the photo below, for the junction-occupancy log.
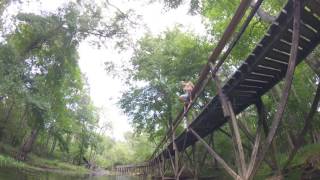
(16, 174)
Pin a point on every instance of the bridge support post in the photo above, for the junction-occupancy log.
(262, 115)
(195, 162)
(237, 139)
(287, 86)
(162, 167)
(215, 155)
(230, 115)
(256, 146)
(307, 123)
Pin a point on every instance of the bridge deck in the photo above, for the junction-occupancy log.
(263, 69)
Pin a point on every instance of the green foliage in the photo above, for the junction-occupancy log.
(7, 161)
(44, 99)
(161, 63)
(132, 150)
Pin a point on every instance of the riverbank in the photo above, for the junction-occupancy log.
(36, 163)
(39, 164)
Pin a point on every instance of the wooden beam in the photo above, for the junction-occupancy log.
(228, 169)
(307, 123)
(229, 113)
(255, 150)
(171, 160)
(262, 117)
(287, 86)
(238, 139)
(246, 131)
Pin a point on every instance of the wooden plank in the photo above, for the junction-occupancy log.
(250, 88)
(302, 43)
(314, 6)
(305, 31)
(274, 64)
(250, 83)
(311, 20)
(285, 46)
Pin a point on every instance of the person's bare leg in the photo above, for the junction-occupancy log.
(189, 104)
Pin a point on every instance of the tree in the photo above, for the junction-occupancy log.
(161, 63)
(42, 86)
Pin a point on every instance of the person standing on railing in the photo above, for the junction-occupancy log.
(186, 98)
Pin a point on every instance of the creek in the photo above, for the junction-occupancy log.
(20, 174)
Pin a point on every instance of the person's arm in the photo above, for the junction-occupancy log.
(183, 83)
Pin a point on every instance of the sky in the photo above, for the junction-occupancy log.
(104, 89)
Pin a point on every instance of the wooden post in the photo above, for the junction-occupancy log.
(307, 123)
(287, 85)
(229, 170)
(237, 139)
(202, 162)
(176, 153)
(256, 146)
(195, 162)
(229, 114)
(262, 115)
(171, 160)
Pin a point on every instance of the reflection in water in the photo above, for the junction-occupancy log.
(16, 174)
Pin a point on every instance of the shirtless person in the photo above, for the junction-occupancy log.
(186, 98)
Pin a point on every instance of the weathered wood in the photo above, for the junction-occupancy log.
(229, 114)
(307, 123)
(228, 169)
(287, 86)
(188, 157)
(222, 97)
(206, 153)
(195, 162)
(244, 26)
(180, 171)
(255, 150)
(172, 163)
(237, 136)
(223, 41)
(246, 131)
(162, 166)
(262, 116)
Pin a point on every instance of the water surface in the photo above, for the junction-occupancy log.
(18, 174)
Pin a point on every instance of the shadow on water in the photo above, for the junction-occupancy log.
(17, 174)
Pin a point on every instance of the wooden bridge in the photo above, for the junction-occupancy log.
(289, 40)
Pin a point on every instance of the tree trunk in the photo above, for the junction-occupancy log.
(5, 120)
(27, 146)
(14, 138)
(48, 139)
(53, 147)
